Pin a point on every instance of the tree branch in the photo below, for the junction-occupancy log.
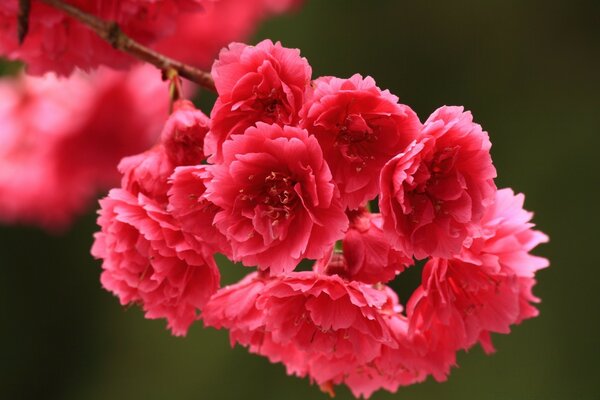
(112, 33)
(23, 19)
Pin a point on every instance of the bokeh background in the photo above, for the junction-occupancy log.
(529, 71)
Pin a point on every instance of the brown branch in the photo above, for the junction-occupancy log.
(23, 19)
(112, 33)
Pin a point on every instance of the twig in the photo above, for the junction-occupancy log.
(23, 19)
(112, 33)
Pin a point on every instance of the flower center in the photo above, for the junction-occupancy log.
(270, 103)
(278, 196)
(430, 181)
(352, 137)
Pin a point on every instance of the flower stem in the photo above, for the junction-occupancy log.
(112, 33)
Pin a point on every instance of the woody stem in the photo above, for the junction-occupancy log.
(112, 33)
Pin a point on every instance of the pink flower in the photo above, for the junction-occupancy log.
(507, 237)
(359, 128)
(147, 173)
(192, 209)
(262, 83)
(278, 202)
(317, 325)
(278, 6)
(61, 139)
(58, 43)
(147, 256)
(184, 133)
(148, 260)
(487, 288)
(181, 143)
(400, 365)
(367, 255)
(234, 307)
(505, 245)
(221, 23)
(434, 194)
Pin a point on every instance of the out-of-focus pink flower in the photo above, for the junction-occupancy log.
(278, 202)
(192, 210)
(317, 325)
(434, 194)
(148, 260)
(199, 36)
(278, 6)
(487, 288)
(146, 255)
(57, 42)
(262, 83)
(61, 139)
(367, 255)
(360, 128)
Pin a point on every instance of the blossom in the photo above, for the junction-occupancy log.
(61, 139)
(262, 83)
(184, 133)
(221, 23)
(148, 260)
(399, 365)
(57, 42)
(181, 143)
(317, 325)
(147, 173)
(360, 127)
(434, 194)
(193, 211)
(366, 255)
(487, 288)
(278, 203)
(146, 255)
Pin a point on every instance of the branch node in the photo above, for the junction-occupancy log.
(113, 35)
(23, 20)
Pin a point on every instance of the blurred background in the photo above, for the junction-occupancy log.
(530, 73)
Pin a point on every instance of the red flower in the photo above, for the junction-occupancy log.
(434, 194)
(317, 325)
(359, 128)
(192, 209)
(59, 43)
(487, 288)
(147, 257)
(221, 22)
(277, 199)
(60, 139)
(367, 255)
(148, 260)
(262, 83)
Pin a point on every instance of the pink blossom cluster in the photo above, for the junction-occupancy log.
(61, 138)
(70, 132)
(56, 42)
(286, 169)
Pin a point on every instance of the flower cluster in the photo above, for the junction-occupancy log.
(59, 43)
(56, 42)
(287, 168)
(70, 132)
(61, 138)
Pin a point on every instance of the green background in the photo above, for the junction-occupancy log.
(529, 71)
